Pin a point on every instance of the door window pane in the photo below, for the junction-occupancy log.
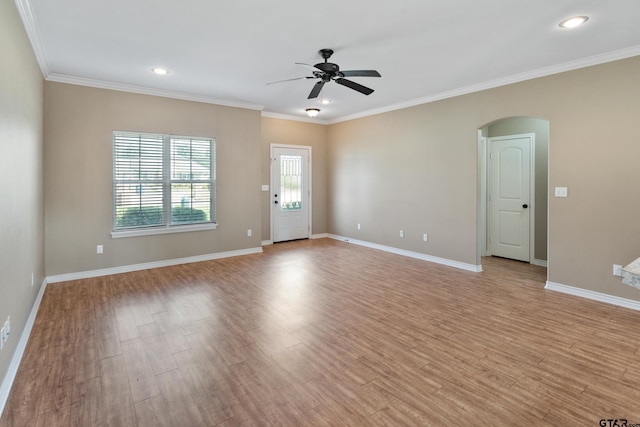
(290, 182)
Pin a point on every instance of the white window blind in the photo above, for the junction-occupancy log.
(162, 181)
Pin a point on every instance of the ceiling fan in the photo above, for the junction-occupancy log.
(327, 71)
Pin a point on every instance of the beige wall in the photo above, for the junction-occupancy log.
(412, 170)
(415, 169)
(78, 176)
(278, 131)
(21, 210)
(539, 127)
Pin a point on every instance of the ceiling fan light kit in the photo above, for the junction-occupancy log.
(312, 112)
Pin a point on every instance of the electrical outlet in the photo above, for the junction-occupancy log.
(358, 226)
(249, 232)
(425, 237)
(99, 249)
(401, 233)
(33, 278)
(617, 270)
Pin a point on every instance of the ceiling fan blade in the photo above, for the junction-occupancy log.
(355, 86)
(309, 66)
(316, 89)
(360, 73)
(289, 80)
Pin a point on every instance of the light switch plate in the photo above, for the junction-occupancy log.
(265, 187)
(562, 192)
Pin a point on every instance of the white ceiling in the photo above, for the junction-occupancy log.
(226, 51)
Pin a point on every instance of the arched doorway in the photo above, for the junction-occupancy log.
(506, 129)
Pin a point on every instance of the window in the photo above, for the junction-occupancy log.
(162, 183)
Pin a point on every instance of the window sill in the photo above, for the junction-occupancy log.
(163, 230)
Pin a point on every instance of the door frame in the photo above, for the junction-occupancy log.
(532, 193)
(272, 159)
(483, 198)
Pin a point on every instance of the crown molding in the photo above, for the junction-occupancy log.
(294, 118)
(30, 26)
(491, 84)
(143, 90)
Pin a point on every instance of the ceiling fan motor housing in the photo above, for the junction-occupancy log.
(328, 67)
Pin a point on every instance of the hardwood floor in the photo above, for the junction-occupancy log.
(320, 333)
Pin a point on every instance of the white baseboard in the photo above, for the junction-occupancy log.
(541, 262)
(7, 382)
(596, 296)
(313, 236)
(411, 254)
(148, 265)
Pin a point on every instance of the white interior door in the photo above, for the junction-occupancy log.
(290, 197)
(510, 196)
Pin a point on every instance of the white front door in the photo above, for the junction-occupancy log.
(510, 196)
(290, 199)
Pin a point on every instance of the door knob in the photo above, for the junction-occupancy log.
(525, 206)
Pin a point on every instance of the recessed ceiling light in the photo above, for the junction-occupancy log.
(312, 112)
(160, 71)
(573, 22)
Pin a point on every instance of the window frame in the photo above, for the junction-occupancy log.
(167, 180)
